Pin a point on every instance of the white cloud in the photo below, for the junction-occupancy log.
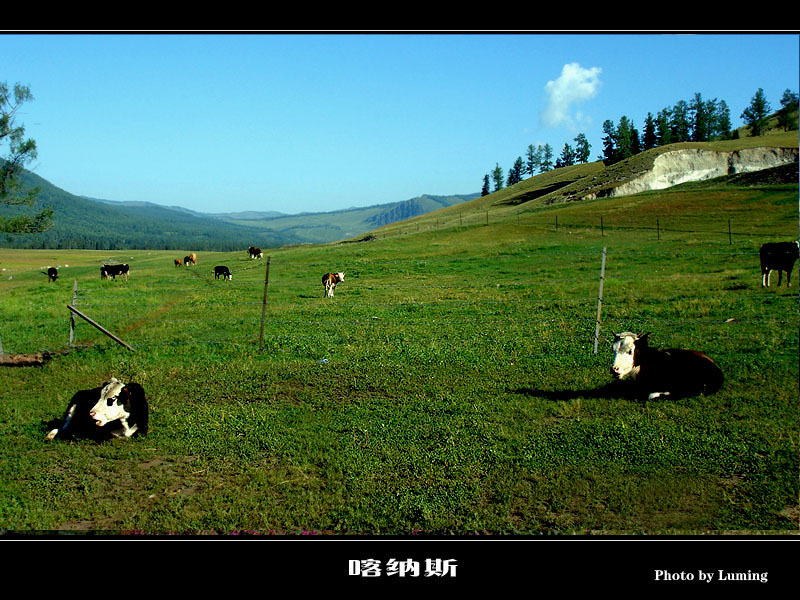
(575, 85)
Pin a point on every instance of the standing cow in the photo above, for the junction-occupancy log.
(778, 256)
(178, 262)
(52, 274)
(255, 252)
(329, 281)
(111, 271)
(222, 271)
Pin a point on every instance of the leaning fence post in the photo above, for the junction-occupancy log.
(72, 315)
(600, 299)
(100, 327)
(264, 305)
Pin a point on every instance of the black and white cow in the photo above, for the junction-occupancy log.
(222, 271)
(111, 271)
(187, 260)
(255, 252)
(115, 409)
(329, 281)
(656, 373)
(778, 256)
(52, 274)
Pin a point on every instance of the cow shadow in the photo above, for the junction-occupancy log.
(623, 390)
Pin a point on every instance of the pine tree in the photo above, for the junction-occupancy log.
(624, 139)
(485, 188)
(497, 176)
(515, 172)
(547, 158)
(649, 139)
(722, 121)
(789, 105)
(609, 141)
(679, 122)
(663, 133)
(755, 115)
(567, 157)
(582, 148)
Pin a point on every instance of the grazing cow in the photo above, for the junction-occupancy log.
(115, 409)
(187, 260)
(193, 256)
(52, 274)
(778, 256)
(111, 271)
(178, 262)
(223, 271)
(255, 252)
(329, 280)
(674, 372)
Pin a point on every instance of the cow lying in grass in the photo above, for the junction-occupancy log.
(330, 280)
(659, 373)
(115, 409)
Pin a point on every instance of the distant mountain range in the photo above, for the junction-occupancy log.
(92, 223)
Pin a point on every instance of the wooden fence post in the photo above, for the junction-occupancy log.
(72, 315)
(600, 300)
(264, 306)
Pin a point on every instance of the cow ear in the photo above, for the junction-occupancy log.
(643, 339)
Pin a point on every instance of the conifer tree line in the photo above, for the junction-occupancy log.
(697, 120)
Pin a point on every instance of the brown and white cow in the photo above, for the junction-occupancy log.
(193, 256)
(778, 256)
(658, 373)
(115, 409)
(255, 252)
(178, 262)
(330, 280)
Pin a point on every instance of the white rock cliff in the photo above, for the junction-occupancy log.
(680, 166)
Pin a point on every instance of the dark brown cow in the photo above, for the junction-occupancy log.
(674, 372)
(778, 256)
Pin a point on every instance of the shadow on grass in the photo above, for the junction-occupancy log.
(615, 389)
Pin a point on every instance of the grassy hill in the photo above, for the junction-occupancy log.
(561, 186)
(449, 387)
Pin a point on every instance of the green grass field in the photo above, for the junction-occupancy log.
(445, 388)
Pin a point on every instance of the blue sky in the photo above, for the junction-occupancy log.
(319, 122)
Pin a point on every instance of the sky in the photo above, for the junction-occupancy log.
(325, 121)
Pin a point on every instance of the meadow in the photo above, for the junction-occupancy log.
(447, 388)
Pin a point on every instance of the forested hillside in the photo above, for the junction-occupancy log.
(85, 223)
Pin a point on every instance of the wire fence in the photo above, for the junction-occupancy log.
(180, 307)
